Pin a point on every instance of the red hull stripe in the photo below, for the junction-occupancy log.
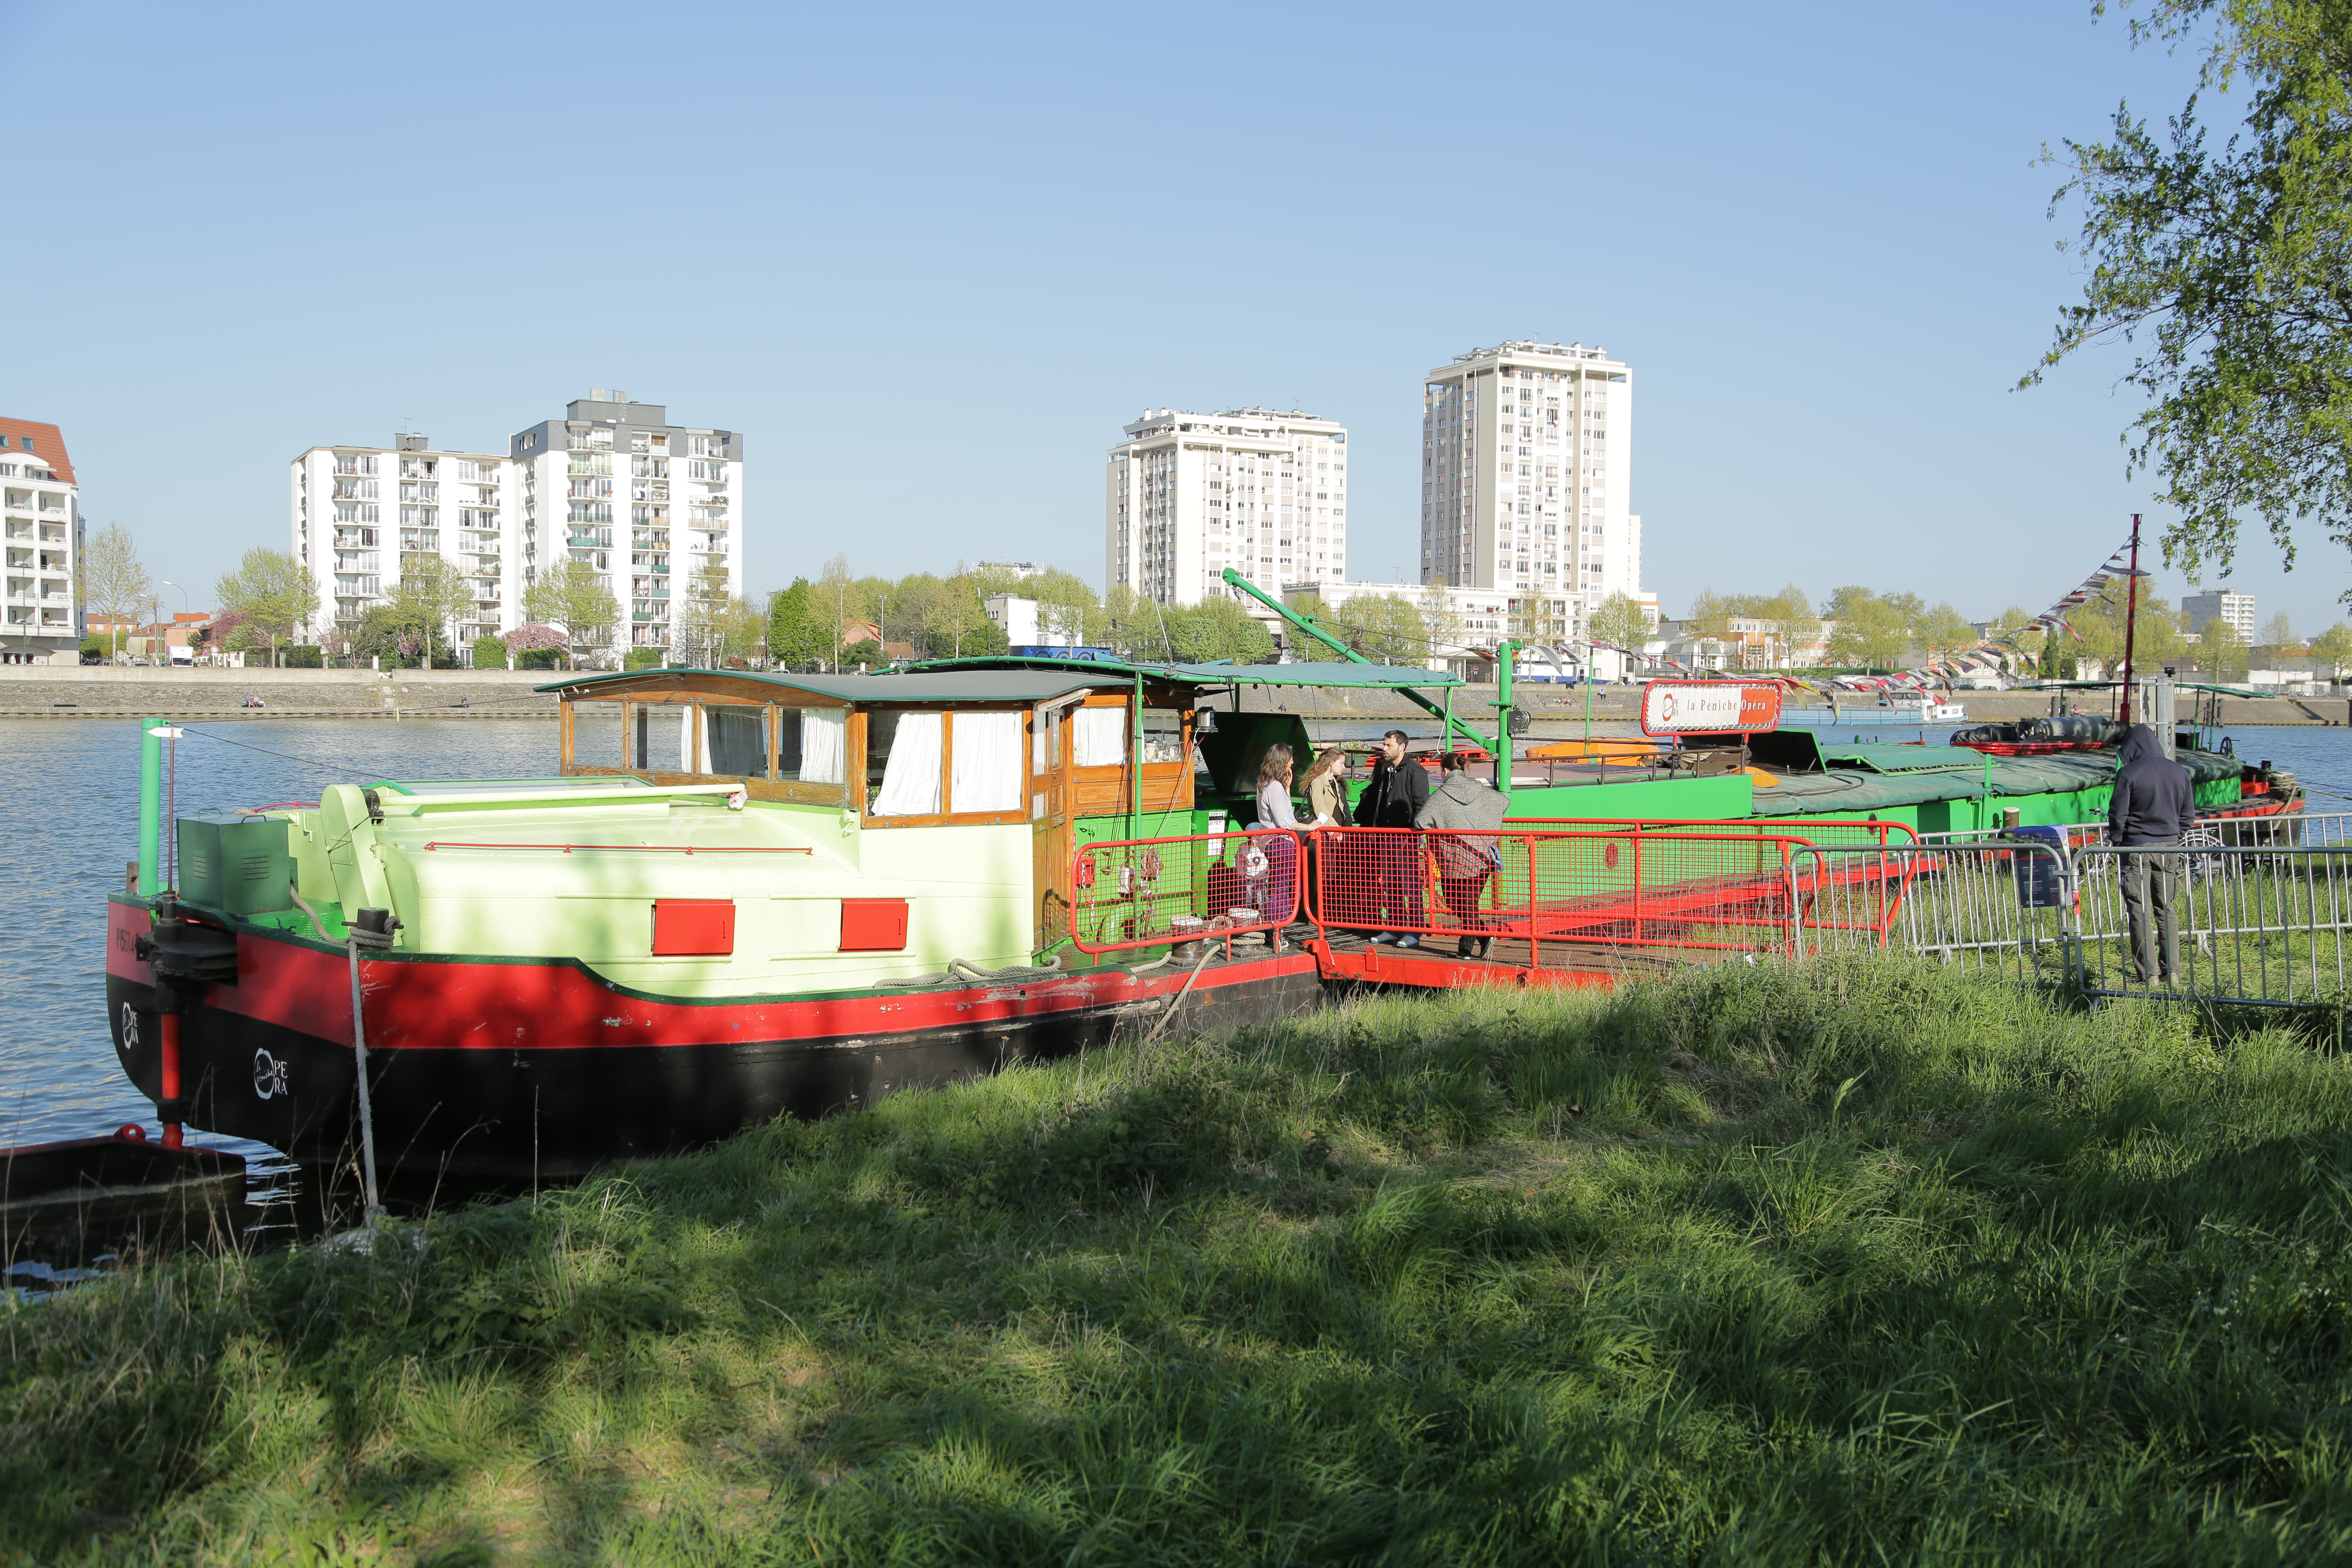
(430, 1003)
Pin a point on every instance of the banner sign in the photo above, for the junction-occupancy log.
(1682, 707)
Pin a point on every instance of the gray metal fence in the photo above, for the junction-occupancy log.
(2260, 911)
(1997, 907)
(2223, 923)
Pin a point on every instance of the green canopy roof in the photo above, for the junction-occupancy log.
(1900, 759)
(963, 685)
(1340, 675)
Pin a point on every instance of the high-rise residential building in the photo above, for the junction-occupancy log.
(613, 483)
(1527, 452)
(41, 531)
(1186, 496)
(658, 507)
(2236, 611)
(359, 509)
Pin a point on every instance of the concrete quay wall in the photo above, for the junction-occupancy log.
(98, 691)
(43, 692)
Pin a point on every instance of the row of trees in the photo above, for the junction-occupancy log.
(823, 623)
(268, 600)
(1870, 630)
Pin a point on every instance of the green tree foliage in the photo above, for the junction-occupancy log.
(799, 635)
(1066, 607)
(1873, 630)
(270, 589)
(489, 651)
(1792, 612)
(1220, 628)
(2098, 625)
(1942, 631)
(1619, 622)
(2221, 650)
(431, 595)
(396, 634)
(1710, 615)
(2331, 650)
(569, 596)
(112, 581)
(1386, 628)
(718, 629)
(2225, 268)
(2016, 623)
(2278, 635)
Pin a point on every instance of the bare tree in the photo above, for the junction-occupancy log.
(114, 581)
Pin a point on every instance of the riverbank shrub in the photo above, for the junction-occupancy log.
(1856, 1261)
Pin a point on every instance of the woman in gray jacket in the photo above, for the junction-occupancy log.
(1464, 817)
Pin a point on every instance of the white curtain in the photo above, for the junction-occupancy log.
(987, 762)
(824, 743)
(1101, 741)
(687, 733)
(910, 779)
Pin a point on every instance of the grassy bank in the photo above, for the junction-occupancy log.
(1847, 1263)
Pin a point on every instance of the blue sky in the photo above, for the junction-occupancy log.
(928, 259)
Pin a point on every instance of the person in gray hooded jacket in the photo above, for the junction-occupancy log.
(1464, 817)
(2154, 804)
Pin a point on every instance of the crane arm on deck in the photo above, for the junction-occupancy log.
(1444, 713)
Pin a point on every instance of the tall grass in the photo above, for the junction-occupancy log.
(1853, 1261)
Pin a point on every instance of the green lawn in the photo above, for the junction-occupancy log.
(1854, 1262)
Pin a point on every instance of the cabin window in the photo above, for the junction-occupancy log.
(1046, 742)
(811, 744)
(1163, 736)
(984, 762)
(902, 763)
(597, 734)
(736, 741)
(1100, 741)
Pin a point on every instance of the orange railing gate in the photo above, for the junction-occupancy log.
(1537, 900)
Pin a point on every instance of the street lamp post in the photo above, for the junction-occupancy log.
(185, 606)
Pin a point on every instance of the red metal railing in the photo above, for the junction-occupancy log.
(1151, 892)
(1827, 833)
(1706, 890)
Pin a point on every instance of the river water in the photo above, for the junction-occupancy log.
(72, 789)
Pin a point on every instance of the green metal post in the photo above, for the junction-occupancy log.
(1235, 580)
(151, 807)
(1503, 653)
(1591, 652)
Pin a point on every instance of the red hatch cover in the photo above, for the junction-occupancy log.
(694, 927)
(873, 925)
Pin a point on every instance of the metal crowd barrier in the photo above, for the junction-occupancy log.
(2265, 922)
(2000, 908)
(2258, 925)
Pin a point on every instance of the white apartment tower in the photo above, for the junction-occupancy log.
(1187, 495)
(658, 507)
(41, 526)
(2236, 611)
(1526, 450)
(357, 509)
(608, 484)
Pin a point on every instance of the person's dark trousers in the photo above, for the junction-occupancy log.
(1462, 896)
(1400, 904)
(2148, 916)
